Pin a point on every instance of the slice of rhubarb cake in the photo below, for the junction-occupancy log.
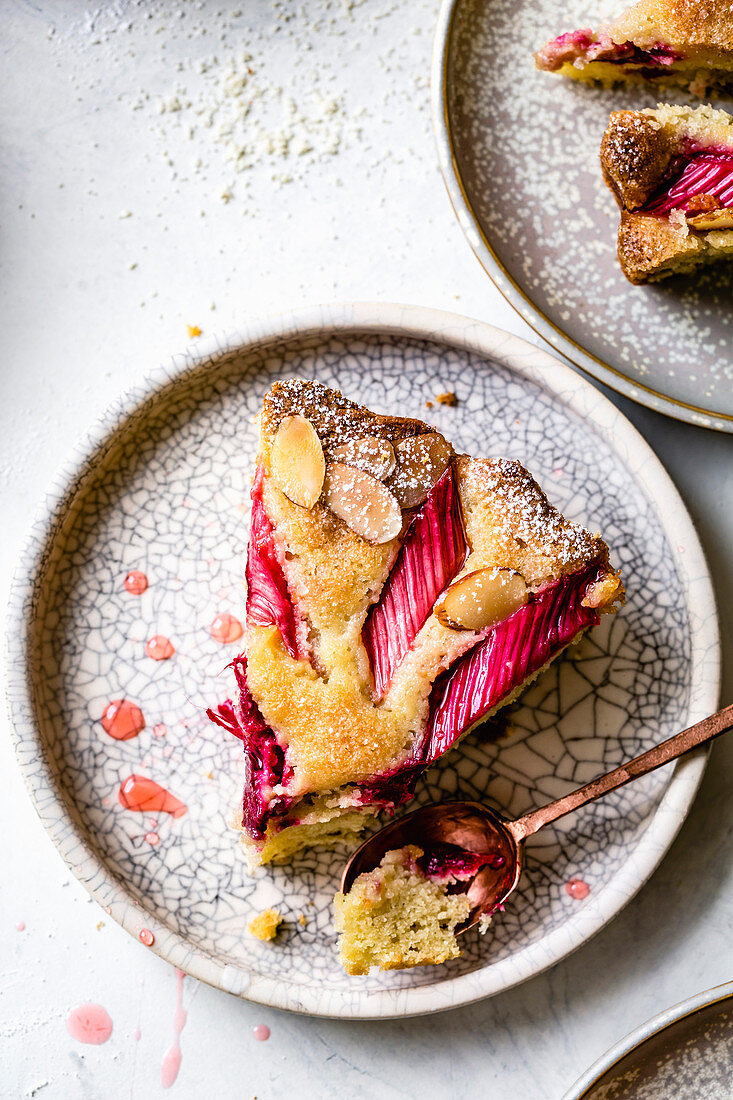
(671, 170)
(398, 594)
(687, 42)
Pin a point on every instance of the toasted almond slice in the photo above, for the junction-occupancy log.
(713, 219)
(371, 454)
(298, 465)
(482, 599)
(362, 502)
(421, 460)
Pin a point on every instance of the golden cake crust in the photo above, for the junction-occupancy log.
(700, 24)
(636, 151)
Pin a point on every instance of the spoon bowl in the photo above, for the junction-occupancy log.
(468, 826)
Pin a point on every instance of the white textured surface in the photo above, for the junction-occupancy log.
(76, 334)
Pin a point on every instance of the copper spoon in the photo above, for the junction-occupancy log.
(475, 828)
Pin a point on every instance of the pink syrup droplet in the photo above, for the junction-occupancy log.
(146, 937)
(143, 795)
(122, 720)
(135, 582)
(136, 1034)
(159, 647)
(172, 1058)
(108, 910)
(89, 1023)
(577, 889)
(160, 729)
(225, 628)
(20, 926)
(261, 1032)
(152, 838)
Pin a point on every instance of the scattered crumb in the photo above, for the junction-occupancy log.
(193, 330)
(447, 399)
(301, 920)
(100, 924)
(265, 925)
(429, 405)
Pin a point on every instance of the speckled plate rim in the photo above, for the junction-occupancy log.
(583, 399)
(645, 1031)
(512, 291)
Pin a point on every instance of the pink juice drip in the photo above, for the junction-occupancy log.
(146, 936)
(122, 720)
(577, 889)
(261, 1032)
(152, 838)
(225, 628)
(143, 795)
(20, 926)
(159, 648)
(89, 1023)
(135, 582)
(160, 729)
(136, 1034)
(172, 1058)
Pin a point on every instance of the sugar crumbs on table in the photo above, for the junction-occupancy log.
(447, 399)
(193, 330)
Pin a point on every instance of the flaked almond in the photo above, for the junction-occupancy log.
(712, 219)
(363, 503)
(371, 454)
(298, 465)
(421, 460)
(482, 599)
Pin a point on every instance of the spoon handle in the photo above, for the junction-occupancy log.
(681, 743)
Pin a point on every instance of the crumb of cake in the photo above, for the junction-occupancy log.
(265, 926)
(429, 405)
(302, 920)
(193, 330)
(447, 399)
(397, 917)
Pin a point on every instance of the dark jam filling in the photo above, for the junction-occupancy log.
(264, 760)
(448, 863)
(585, 46)
(689, 177)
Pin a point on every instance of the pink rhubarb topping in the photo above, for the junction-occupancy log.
(268, 599)
(433, 551)
(708, 173)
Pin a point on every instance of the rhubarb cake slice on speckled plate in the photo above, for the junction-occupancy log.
(398, 594)
(671, 170)
(687, 42)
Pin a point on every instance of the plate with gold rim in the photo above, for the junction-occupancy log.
(518, 150)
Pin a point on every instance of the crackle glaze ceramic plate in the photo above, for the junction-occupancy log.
(685, 1052)
(161, 486)
(518, 150)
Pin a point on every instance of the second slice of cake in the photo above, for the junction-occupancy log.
(671, 171)
(398, 595)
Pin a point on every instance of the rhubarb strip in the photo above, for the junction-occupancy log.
(433, 551)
